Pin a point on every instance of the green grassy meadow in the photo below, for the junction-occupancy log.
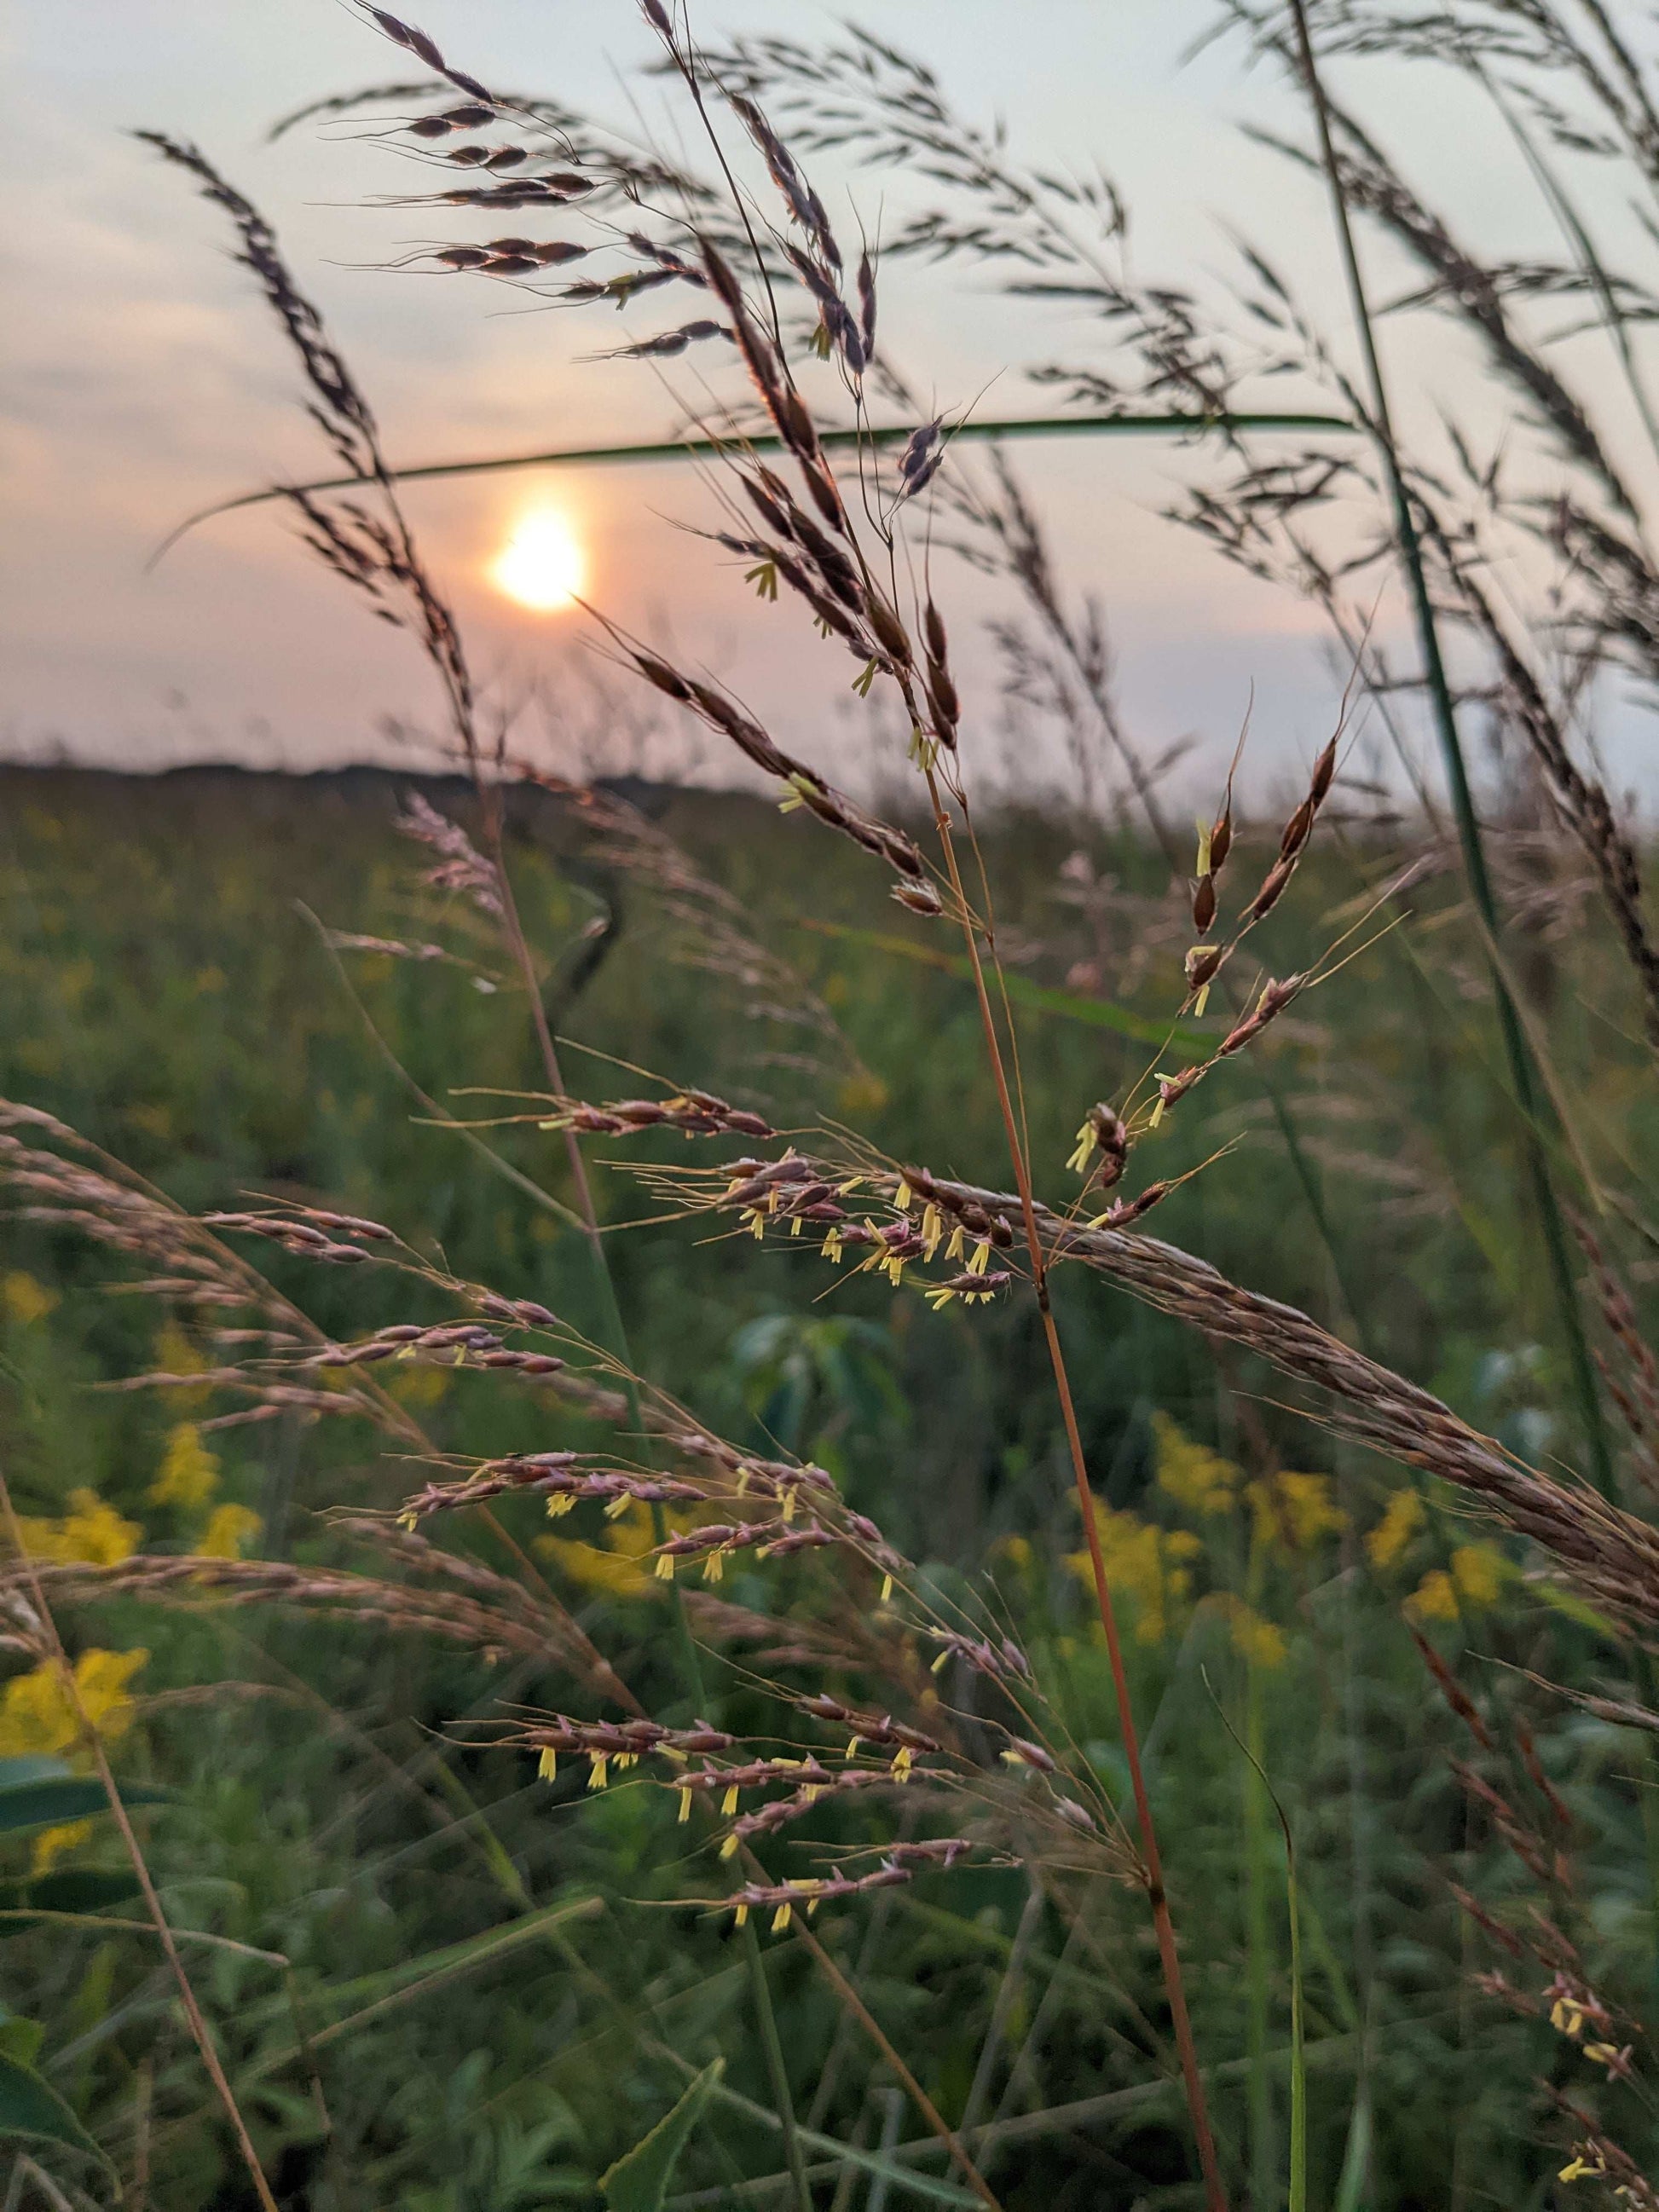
(439, 1983)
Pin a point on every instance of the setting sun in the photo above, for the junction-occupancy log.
(541, 565)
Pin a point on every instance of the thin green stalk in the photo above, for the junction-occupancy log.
(1522, 1072)
(706, 449)
(1264, 2159)
(1263, 2186)
(776, 2069)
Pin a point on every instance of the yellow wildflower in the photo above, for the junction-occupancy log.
(418, 1387)
(1476, 1577)
(1143, 1564)
(862, 1094)
(230, 1530)
(176, 1355)
(1293, 1511)
(24, 1299)
(1194, 1475)
(91, 1530)
(37, 1714)
(1255, 1638)
(189, 1473)
(1478, 1571)
(620, 1567)
(51, 1843)
(1402, 1516)
(1015, 1551)
(1435, 1597)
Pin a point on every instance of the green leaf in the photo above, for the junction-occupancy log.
(74, 1890)
(639, 2180)
(20, 2039)
(42, 1793)
(79, 1891)
(30, 2107)
(1041, 998)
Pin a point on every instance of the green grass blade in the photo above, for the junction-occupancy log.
(1356, 2158)
(1041, 998)
(704, 449)
(639, 2180)
(32, 1797)
(32, 2109)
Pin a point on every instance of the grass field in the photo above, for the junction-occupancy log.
(438, 1982)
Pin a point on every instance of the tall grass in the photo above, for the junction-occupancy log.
(797, 1624)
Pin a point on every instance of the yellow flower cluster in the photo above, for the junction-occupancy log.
(1477, 1574)
(1403, 1515)
(22, 1299)
(1254, 1637)
(1191, 1474)
(620, 1567)
(38, 1716)
(176, 1355)
(189, 1473)
(1294, 1511)
(187, 1479)
(92, 1530)
(228, 1532)
(1143, 1563)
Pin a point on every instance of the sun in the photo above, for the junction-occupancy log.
(541, 565)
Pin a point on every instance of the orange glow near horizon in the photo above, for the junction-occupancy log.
(541, 565)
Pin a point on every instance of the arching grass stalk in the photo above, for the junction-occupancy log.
(1169, 1955)
(1517, 1053)
(714, 449)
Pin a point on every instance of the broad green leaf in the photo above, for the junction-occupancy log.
(639, 2180)
(31, 2107)
(35, 1800)
(74, 1890)
(20, 2039)
(1041, 998)
(35, 1767)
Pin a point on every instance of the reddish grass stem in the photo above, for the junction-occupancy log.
(1214, 2192)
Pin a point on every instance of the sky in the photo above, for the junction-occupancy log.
(143, 381)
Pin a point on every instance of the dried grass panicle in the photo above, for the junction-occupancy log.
(509, 1623)
(806, 786)
(1611, 1556)
(693, 1113)
(376, 552)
